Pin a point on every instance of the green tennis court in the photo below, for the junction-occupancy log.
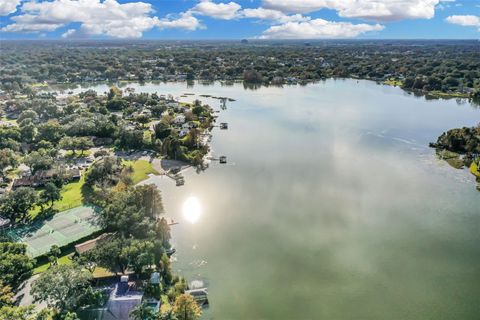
(62, 229)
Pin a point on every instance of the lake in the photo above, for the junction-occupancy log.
(331, 206)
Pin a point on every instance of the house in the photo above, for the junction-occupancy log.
(41, 177)
(123, 299)
(179, 120)
(4, 223)
(173, 104)
(183, 133)
(90, 244)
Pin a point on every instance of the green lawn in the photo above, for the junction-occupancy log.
(474, 168)
(65, 259)
(39, 84)
(100, 272)
(72, 192)
(8, 120)
(141, 170)
(393, 82)
(71, 197)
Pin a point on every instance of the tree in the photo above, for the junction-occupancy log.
(26, 313)
(139, 254)
(166, 269)
(158, 109)
(130, 139)
(186, 308)
(28, 131)
(252, 76)
(83, 143)
(143, 119)
(138, 237)
(51, 131)
(104, 171)
(108, 254)
(133, 212)
(67, 143)
(162, 130)
(143, 312)
(17, 313)
(118, 254)
(198, 110)
(16, 204)
(53, 254)
(114, 92)
(63, 287)
(117, 104)
(71, 316)
(15, 265)
(10, 138)
(28, 115)
(6, 295)
(38, 160)
(50, 193)
(7, 159)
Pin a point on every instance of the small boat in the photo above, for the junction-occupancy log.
(170, 251)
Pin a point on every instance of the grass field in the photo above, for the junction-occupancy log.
(141, 170)
(474, 168)
(72, 192)
(393, 82)
(64, 259)
(71, 197)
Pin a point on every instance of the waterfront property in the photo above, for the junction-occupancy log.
(41, 177)
(123, 298)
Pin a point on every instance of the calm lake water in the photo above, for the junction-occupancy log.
(331, 206)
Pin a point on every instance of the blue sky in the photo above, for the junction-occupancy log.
(213, 19)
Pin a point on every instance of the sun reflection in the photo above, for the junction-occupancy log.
(192, 210)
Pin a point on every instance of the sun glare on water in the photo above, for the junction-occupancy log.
(192, 210)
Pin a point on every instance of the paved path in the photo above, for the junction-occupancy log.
(23, 296)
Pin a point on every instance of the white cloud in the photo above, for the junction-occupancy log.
(185, 21)
(8, 6)
(377, 10)
(225, 11)
(465, 20)
(96, 17)
(69, 33)
(318, 29)
(270, 14)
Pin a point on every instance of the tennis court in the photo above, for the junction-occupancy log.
(62, 229)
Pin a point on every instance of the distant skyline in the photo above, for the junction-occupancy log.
(251, 19)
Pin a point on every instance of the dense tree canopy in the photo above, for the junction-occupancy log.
(63, 287)
(15, 265)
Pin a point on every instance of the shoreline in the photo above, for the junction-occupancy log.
(120, 83)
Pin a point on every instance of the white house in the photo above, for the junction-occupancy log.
(183, 133)
(179, 120)
(173, 104)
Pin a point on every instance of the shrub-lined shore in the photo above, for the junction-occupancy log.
(460, 148)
